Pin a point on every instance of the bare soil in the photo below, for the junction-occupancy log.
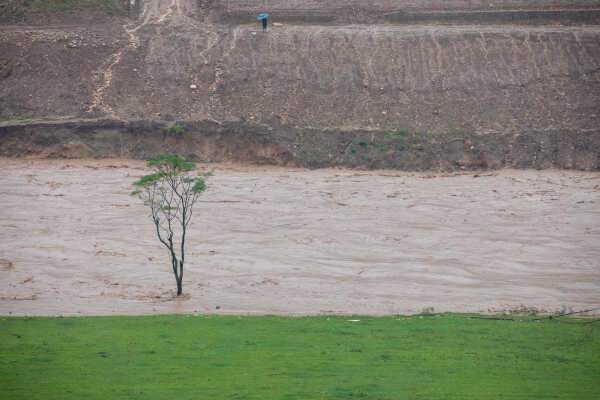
(356, 65)
(274, 240)
(514, 74)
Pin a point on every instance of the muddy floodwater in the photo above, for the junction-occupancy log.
(269, 240)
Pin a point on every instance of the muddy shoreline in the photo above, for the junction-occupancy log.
(281, 240)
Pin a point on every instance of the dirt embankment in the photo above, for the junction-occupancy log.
(474, 86)
(210, 141)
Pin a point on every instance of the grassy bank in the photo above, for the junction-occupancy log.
(230, 357)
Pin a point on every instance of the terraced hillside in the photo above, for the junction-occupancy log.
(411, 85)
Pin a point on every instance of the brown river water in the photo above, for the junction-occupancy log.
(270, 240)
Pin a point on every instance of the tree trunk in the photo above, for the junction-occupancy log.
(179, 287)
(178, 277)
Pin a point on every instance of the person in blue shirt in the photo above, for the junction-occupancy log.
(264, 22)
(263, 18)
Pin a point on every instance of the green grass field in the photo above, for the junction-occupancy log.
(230, 357)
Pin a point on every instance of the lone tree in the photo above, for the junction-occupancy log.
(170, 192)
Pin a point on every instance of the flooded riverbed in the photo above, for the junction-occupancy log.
(272, 240)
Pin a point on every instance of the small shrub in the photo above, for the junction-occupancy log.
(401, 132)
(362, 143)
(176, 128)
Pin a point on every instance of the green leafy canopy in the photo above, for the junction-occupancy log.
(168, 165)
(199, 186)
(149, 180)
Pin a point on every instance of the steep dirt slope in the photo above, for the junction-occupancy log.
(424, 77)
(456, 67)
(52, 72)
